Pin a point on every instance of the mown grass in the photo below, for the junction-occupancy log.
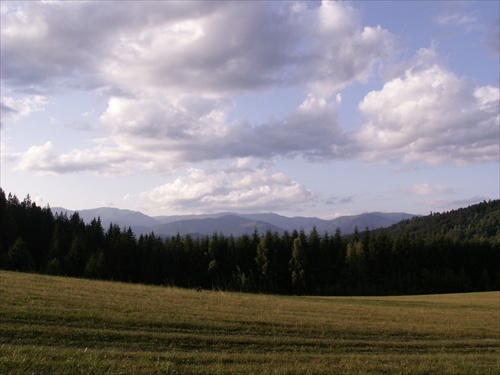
(70, 326)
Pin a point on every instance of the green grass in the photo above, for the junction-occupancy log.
(70, 326)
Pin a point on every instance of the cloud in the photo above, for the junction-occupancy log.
(45, 160)
(236, 187)
(161, 134)
(339, 200)
(457, 13)
(454, 14)
(6, 110)
(426, 189)
(13, 109)
(341, 50)
(431, 115)
(214, 47)
(459, 19)
(193, 129)
(428, 114)
(169, 72)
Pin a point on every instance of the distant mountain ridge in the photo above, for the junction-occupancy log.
(232, 223)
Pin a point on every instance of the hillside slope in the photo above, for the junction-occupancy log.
(55, 325)
(481, 220)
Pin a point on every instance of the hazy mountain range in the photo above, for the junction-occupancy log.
(231, 223)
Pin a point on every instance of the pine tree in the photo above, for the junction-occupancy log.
(19, 257)
(297, 266)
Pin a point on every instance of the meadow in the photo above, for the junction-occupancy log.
(71, 326)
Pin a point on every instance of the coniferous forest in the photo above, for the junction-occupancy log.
(456, 251)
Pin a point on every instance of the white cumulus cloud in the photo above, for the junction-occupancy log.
(13, 109)
(430, 114)
(236, 187)
(45, 160)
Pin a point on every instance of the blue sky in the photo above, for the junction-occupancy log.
(299, 108)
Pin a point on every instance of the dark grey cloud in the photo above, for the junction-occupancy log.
(340, 200)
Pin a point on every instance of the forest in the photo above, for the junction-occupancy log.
(455, 251)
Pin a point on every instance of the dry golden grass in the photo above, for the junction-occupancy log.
(62, 325)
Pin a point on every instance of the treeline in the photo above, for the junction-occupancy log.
(372, 262)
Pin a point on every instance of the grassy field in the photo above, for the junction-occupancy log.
(65, 326)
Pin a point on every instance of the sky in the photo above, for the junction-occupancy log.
(299, 108)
